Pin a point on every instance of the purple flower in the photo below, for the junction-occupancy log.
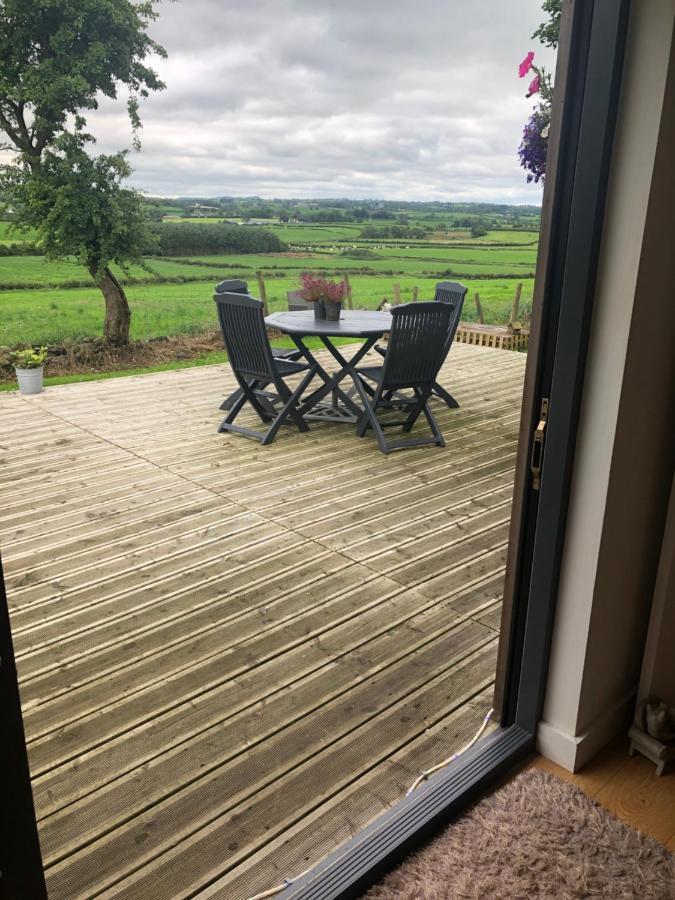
(533, 147)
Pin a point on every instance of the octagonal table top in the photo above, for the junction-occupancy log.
(352, 323)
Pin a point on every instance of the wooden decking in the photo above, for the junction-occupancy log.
(233, 657)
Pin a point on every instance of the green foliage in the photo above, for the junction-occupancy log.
(77, 206)
(188, 238)
(28, 358)
(58, 56)
(478, 231)
(548, 32)
(395, 231)
(25, 248)
(360, 253)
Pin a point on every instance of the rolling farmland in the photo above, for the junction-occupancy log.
(53, 302)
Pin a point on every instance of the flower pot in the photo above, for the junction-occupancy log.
(30, 380)
(319, 309)
(333, 311)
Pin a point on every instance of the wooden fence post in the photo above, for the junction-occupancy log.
(397, 295)
(516, 303)
(348, 290)
(263, 291)
(415, 294)
(479, 308)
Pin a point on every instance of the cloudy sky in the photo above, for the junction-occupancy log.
(414, 99)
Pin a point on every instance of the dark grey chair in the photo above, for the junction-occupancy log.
(238, 286)
(242, 323)
(415, 352)
(297, 303)
(452, 293)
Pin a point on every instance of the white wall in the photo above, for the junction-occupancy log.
(625, 441)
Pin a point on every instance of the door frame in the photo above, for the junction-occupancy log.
(21, 873)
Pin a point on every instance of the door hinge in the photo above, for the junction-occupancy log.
(538, 445)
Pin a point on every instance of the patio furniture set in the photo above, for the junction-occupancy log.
(420, 337)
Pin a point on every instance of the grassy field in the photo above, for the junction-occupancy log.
(51, 302)
(35, 271)
(54, 315)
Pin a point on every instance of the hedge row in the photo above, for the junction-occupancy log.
(21, 249)
(193, 239)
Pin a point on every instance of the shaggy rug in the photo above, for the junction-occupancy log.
(537, 836)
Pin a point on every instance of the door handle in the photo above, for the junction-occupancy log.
(538, 442)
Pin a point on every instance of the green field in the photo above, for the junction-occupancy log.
(49, 302)
(36, 271)
(54, 315)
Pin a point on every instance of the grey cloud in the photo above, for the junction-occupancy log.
(389, 98)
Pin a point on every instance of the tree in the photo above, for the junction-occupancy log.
(56, 57)
(548, 32)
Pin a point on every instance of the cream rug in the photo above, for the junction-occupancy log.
(537, 836)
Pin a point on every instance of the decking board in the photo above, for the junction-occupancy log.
(232, 656)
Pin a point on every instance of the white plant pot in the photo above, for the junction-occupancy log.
(30, 380)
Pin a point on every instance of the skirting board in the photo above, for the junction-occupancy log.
(572, 752)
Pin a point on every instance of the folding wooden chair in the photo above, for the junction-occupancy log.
(238, 286)
(242, 323)
(453, 293)
(415, 352)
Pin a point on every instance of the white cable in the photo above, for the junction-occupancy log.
(446, 762)
(273, 891)
(287, 882)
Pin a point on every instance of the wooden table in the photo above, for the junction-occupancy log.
(366, 324)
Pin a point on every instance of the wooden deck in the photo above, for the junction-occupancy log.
(233, 657)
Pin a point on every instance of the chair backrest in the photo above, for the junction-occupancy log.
(297, 303)
(451, 292)
(242, 323)
(232, 286)
(417, 344)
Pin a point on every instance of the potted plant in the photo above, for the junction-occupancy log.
(29, 367)
(326, 295)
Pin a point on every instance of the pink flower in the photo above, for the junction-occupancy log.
(534, 87)
(526, 65)
(314, 287)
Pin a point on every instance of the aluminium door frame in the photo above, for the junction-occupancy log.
(21, 874)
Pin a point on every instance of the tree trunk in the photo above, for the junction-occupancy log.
(117, 312)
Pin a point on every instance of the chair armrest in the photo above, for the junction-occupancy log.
(286, 353)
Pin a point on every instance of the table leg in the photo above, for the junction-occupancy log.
(348, 368)
(329, 387)
(342, 406)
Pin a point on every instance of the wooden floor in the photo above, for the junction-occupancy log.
(233, 657)
(628, 787)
